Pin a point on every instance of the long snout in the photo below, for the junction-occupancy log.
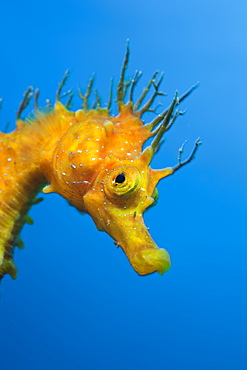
(131, 234)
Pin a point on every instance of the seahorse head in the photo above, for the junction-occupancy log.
(102, 167)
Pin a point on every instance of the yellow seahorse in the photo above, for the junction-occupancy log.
(94, 160)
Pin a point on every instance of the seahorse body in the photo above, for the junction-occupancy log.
(94, 160)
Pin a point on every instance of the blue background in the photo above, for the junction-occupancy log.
(77, 304)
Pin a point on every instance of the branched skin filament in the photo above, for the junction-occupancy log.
(94, 160)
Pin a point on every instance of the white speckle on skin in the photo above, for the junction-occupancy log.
(63, 173)
(79, 151)
(73, 165)
(9, 159)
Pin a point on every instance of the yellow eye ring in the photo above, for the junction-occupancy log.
(121, 181)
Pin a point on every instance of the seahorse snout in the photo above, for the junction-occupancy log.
(148, 260)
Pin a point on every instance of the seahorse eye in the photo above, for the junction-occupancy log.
(120, 178)
(122, 181)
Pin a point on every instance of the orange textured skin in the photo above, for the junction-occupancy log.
(96, 162)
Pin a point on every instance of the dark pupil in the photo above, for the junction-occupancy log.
(120, 178)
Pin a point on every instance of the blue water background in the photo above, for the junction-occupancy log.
(77, 303)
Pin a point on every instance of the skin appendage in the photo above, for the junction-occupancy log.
(94, 160)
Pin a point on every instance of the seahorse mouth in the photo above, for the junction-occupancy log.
(148, 260)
